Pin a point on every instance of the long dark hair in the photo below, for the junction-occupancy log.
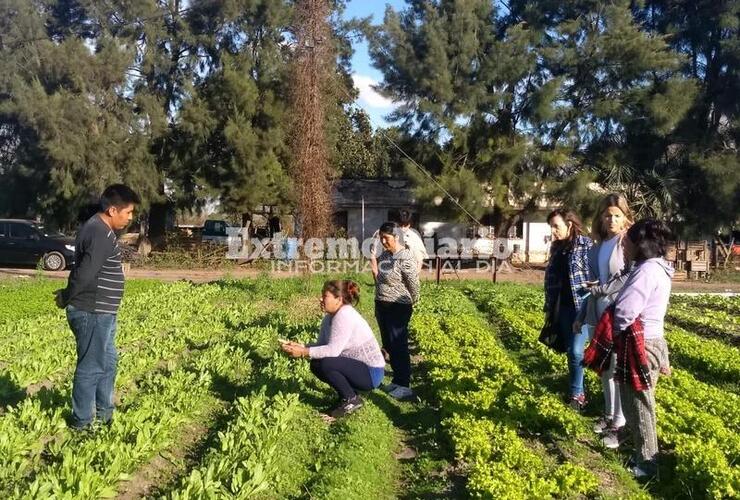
(576, 228)
(651, 238)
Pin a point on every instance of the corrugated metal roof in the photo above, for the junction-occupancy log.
(391, 193)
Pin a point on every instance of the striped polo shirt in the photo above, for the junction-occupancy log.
(96, 280)
(110, 280)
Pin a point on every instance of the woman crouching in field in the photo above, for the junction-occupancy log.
(346, 355)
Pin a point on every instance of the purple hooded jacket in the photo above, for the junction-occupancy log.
(645, 295)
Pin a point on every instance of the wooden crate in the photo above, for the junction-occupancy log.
(697, 251)
(698, 266)
(680, 276)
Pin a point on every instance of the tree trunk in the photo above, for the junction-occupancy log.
(158, 224)
(311, 77)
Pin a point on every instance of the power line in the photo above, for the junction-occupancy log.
(413, 162)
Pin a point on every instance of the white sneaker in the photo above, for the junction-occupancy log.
(602, 424)
(401, 392)
(389, 388)
(610, 438)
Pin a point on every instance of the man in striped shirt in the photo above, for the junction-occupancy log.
(91, 299)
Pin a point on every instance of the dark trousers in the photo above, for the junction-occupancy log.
(97, 359)
(393, 321)
(344, 375)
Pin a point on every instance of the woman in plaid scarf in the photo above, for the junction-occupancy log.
(645, 298)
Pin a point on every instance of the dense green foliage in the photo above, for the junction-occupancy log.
(201, 382)
(505, 102)
(186, 101)
(191, 356)
(486, 400)
(543, 98)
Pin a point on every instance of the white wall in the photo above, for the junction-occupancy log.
(374, 217)
(537, 241)
(443, 229)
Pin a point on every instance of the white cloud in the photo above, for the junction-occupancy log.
(368, 96)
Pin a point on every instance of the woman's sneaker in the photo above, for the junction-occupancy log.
(610, 438)
(578, 402)
(401, 392)
(602, 424)
(389, 388)
(347, 406)
(645, 470)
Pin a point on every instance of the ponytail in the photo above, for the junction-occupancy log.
(348, 290)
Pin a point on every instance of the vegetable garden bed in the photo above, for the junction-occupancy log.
(209, 408)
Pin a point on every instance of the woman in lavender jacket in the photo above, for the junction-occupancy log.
(645, 296)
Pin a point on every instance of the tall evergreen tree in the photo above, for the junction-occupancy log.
(618, 97)
(704, 147)
(229, 140)
(67, 130)
(537, 99)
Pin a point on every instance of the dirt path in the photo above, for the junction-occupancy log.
(528, 276)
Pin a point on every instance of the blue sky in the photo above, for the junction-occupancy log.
(364, 74)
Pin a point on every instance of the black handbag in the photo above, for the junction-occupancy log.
(550, 334)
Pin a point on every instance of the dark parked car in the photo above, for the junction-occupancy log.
(216, 231)
(28, 242)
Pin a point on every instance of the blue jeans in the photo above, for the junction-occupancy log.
(95, 374)
(576, 344)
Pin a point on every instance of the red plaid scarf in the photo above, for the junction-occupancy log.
(632, 363)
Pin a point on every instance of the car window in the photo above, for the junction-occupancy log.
(45, 231)
(18, 230)
(215, 228)
(3, 231)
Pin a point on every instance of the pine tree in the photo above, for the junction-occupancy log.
(67, 130)
(538, 99)
(231, 142)
(704, 147)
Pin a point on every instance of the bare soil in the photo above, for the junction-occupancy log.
(162, 466)
(534, 276)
